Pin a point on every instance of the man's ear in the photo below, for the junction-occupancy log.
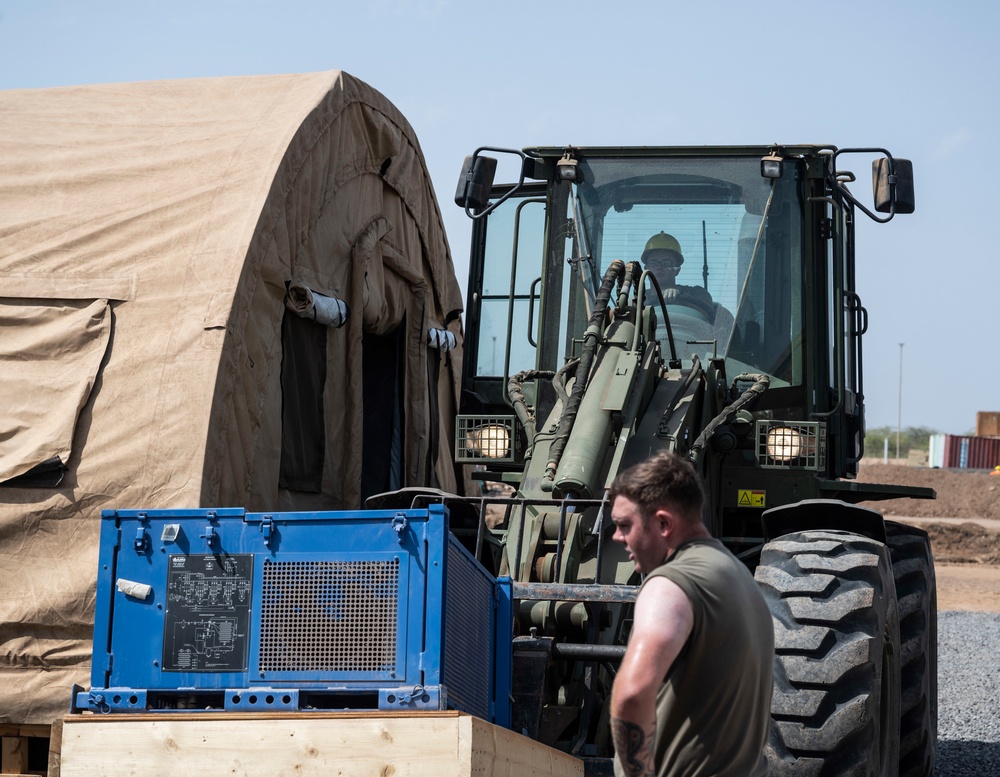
(665, 522)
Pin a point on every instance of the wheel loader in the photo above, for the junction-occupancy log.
(584, 355)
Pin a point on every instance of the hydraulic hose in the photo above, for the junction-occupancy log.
(515, 393)
(559, 381)
(632, 271)
(591, 338)
(674, 362)
(761, 382)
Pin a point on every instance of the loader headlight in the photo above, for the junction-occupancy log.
(791, 445)
(480, 438)
(490, 442)
(771, 166)
(783, 444)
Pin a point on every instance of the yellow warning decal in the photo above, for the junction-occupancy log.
(747, 497)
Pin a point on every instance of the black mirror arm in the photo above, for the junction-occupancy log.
(854, 200)
(475, 216)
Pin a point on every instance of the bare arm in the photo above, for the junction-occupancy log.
(663, 621)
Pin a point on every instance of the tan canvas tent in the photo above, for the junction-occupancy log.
(218, 292)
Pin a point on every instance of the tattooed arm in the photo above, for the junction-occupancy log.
(634, 747)
(663, 621)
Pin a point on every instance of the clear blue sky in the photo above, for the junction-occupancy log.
(918, 78)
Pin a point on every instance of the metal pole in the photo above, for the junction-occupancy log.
(704, 255)
(899, 405)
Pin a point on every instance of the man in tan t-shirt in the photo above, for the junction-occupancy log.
(693, 694)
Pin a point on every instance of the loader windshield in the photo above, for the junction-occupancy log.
(724, 243)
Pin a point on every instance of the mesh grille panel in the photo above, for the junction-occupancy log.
(468, 639)
(331, 616)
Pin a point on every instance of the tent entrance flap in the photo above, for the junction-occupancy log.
(50, 354)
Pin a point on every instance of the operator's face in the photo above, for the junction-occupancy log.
(645, 540)
(665, 265)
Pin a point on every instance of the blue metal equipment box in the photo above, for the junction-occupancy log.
(224, 609)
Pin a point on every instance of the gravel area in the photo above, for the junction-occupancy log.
(968, 694)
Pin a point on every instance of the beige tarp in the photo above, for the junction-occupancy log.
(149, 233)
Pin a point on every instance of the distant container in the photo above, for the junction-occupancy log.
(987, 424)
(935, 451)
(951, 451)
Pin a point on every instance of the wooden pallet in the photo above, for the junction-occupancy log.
(15, 745)
(303, 744)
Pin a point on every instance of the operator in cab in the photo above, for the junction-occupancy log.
(693, 693)
(662, 256)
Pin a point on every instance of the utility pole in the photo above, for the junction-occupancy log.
(899, 404)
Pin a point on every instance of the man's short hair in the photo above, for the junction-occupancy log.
(662, 481)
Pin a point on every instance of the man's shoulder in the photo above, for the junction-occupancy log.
(702, 549)
(686, 562)
(662, 589)
(704, 561)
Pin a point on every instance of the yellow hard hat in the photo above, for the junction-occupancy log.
(661, 242)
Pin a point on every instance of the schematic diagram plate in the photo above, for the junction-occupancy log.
(207, 620)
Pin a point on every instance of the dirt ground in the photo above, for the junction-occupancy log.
(963, 524)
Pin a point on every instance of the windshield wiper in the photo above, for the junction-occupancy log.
(580, 239)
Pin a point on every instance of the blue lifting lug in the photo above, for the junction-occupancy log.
(141, 541)
(420, 697)
(399, 524)
(209, 536)
(267, 528)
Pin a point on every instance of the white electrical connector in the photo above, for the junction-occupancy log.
(441, 339)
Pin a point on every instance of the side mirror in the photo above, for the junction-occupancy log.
(475, 182)
(892, 185)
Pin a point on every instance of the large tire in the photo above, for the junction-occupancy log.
(916, 593)
(835, 708)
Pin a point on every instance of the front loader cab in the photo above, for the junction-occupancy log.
(765, 284)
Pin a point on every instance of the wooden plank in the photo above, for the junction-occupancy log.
(499, 752)
(55, 749)
(303, 745)
(24, 730)
(13, 755)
